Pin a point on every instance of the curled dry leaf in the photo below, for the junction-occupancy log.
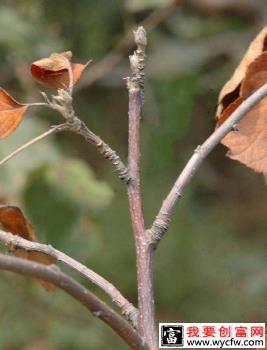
(54, 70)
(255, 49)
(14, 221)
(11, 114)
(256, 76)
(248, 144)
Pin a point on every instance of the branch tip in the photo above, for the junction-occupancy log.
(144, 250)
(140, 37)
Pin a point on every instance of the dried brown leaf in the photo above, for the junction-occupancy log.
(255, 77)
(248, 144)
(256, 48)
(54, 70)
(11, 114)
(14, 221)
(229, 110)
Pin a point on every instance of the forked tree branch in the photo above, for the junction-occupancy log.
(161, 223)
(12, 242)
(135, 84)
(52, 274)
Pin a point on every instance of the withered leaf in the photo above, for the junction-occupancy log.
(249, 143)
(255, 77)
(54, 70)
(14, 221)
(229, 110)
(11, 114)
(257, 46)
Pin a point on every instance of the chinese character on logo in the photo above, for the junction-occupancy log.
(208, 331)
(225, 331)
(241, 332)
(171, 335)
(257, 331)
(192, 331)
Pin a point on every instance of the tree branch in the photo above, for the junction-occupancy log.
(161, 223)
(135, 84)
(63, 104)
(52, 130)
(106, 151)
(13, 242)
(98, 308)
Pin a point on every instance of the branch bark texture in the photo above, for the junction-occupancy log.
(135, 84)
(63, 103)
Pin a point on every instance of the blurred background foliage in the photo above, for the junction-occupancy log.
(211, 266)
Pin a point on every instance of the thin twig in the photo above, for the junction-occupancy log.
(36, 104)
(135, 84)
(52, 274)
(102, 67)
(52, 130)
(106, 151)
(63, 104)
(13, 242)
(163, 218)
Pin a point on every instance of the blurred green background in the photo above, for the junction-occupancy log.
(211, 266)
